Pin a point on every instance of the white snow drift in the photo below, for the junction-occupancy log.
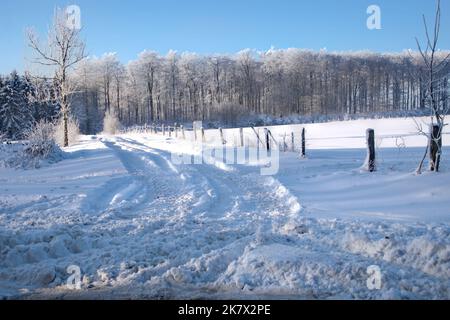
(140, 226)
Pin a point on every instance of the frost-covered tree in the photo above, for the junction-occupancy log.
(109, 68)
(435, 74)
(187, 86)
(42, 99)
(62, 52)
(149, 66)
(171, 85)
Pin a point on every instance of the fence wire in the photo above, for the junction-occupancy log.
(288, 141)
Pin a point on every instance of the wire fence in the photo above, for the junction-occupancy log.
(285, 138)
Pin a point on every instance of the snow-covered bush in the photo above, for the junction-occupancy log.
(10, 154)
(72, 127)
(38, 148)
(111, 124)
(41, 141)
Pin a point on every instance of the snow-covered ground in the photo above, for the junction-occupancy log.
(140, 226)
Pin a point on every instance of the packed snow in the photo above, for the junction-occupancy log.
(141, 226)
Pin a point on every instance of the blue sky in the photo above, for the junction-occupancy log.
(225, 26)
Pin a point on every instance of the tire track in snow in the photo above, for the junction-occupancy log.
(244, 203)
(202, 230)
(245, 196)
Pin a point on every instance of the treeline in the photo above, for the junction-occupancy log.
(185, 87)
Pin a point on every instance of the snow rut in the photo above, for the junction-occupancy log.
(196, 231)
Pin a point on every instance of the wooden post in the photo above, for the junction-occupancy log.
(241, 134)
(203, 135)
(370, 135)
(163, 129)
(435, 147)
(266, 133)
(257, 141)
(182, 132)
(221, 136)
(176, 130)
(292, 142)
(170, 131)
(303, 151)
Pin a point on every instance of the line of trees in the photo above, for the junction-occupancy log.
(185, 87)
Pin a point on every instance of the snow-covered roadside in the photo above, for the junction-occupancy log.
(140, 226)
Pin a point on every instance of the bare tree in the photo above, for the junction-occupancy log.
(149, 65)
(435, 73)
(63, 50)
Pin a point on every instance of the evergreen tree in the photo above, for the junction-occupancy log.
(15, 114)
(42, 100)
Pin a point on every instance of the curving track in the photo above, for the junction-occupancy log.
(194, 231)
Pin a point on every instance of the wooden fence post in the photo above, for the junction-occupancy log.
(203, 135)
(292, 142)
(303, 151)
(435, 147)
(370, 135)
(266, 133)
(182, 132)
(241, 134)
(176, 129)
(258, 141)
(221, 136)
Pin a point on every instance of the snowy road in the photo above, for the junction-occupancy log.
(140, 226)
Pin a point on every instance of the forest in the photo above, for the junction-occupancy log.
(181, 87)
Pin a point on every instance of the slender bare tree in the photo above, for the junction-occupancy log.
(435, 72)
(63, 50)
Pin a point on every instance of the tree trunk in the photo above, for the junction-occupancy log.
(370, 134)
(435, 147)
(66, 129)
(303, 143)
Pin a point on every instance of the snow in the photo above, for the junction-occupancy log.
(389, 133)
(141, 226)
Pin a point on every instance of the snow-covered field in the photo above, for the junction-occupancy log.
(140, 226)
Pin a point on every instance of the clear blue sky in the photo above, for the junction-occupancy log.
(225, 26)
